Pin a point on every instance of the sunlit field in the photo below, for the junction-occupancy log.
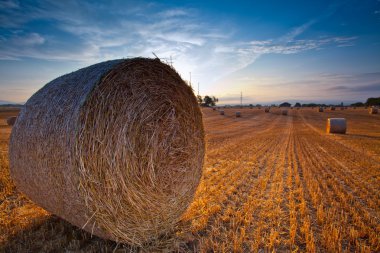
(270, 183)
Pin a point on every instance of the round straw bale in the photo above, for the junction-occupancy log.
(320, 109)
(116, 148)
(267, 109)
(336, 125)
(238, 114)
(11, 120)
(213, 108)
(332, 108)
(284, 112)
(221, 112)
(373, 110)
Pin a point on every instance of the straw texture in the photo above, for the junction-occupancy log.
(336, 125)
(116, 148)
(11, 120)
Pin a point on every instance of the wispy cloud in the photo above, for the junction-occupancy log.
(210, 52)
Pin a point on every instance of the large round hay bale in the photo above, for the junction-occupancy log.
(116, 148)
(373, 110)
(238, 114)
(320, 109)
(284, 112)
(332, 108)
(267, 109)
(11, 120)
(336, 125)
(221, 112)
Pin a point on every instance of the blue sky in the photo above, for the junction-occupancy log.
(272, 51)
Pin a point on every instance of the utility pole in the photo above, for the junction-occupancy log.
(241, 99)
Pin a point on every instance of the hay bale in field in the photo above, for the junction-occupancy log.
(238, 114)
(267, 109)
(284, 112)
(11, 120)
(336, 125)
(116, 148)
(320, 109)
(221, 112)
(332, 108)
(373, 110)
(213, 108)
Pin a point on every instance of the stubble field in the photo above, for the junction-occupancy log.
(270, 183)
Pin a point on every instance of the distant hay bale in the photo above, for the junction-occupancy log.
(11, 120)
(284, 112)
(213, 108)
(298, 108)
(238, 114)
(336, 125)
(332, 108)
(373, 110)
(320, 109)
(267, 109)
(221, 112)
(116, 148)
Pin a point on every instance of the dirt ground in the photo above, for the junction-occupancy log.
(271, 183)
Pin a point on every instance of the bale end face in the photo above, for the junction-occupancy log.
(238, 114)
(266, 109)
(320, 109)
(119, 149)
(373, 110)
(336, 126)
(221, 112)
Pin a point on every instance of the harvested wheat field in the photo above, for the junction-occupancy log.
(271, 182)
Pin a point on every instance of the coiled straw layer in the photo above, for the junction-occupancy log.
(116, 148)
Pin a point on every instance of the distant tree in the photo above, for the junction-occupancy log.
(286, 104)
(209, 101)
(373, 101)
(258, 105)
(297, 105)
(357, 104)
